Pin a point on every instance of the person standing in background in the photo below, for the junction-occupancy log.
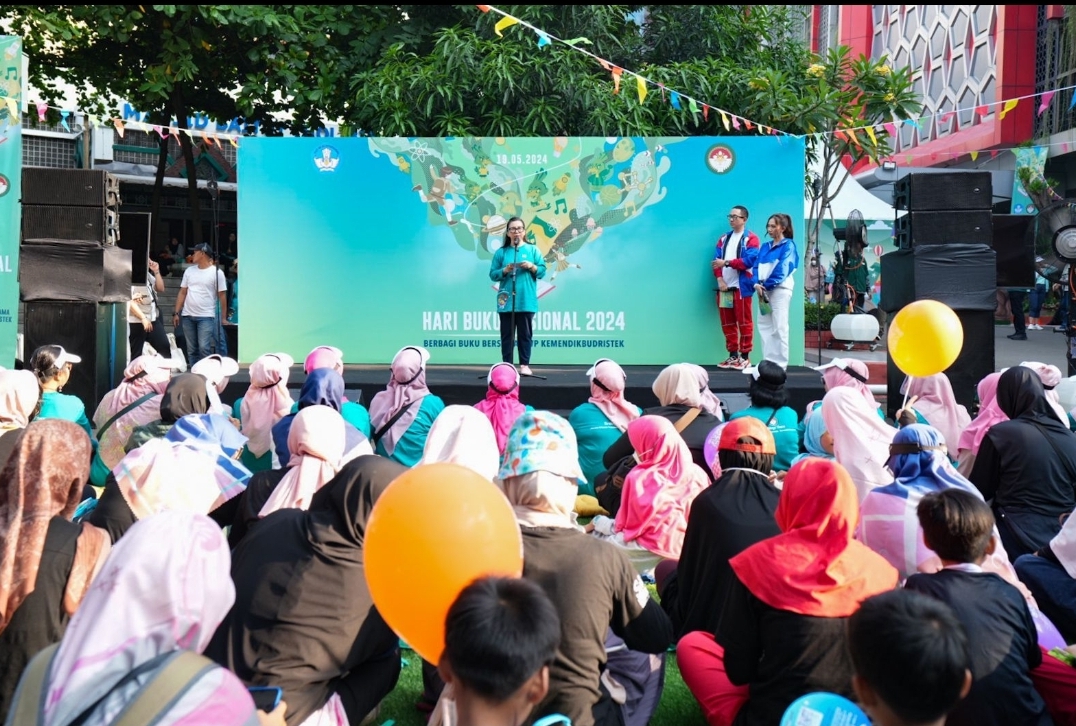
(517, 267)
(142, 314)
(777, 262)
(202, 290)
(732, 264)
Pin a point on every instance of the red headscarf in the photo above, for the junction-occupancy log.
(502, 406)
(815, 567)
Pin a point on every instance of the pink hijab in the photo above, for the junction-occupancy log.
(989, 414)
(938, 405)
(502, 406)
(607, 381)
(145, 374)
(659, 491)
(266, 401)
(165, 587)
(836, 376)
(406, 386)
(708, 402)
(325, 356)
(860, 438)
(316, 442)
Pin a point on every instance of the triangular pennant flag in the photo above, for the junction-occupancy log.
(1045, 102)
(576, 41)
(42, 109)
(982, 110)
(736, 122)
(692, 106)
(747, 124)
(705, 112)
(188, 133)
(1009, 106)
(993, 153)
(506, 22)
(640, 86)
(725, 120)
(217, 139)
(1073, 104)
(13, 108)
(974, 155)
(118, 123)
(605, 64)
(890, 128)
(158, 130)
(947, 116)
(762, 129)
(854, 139)
(543, 39)
(870, 133)
(234, 140)
(674, 99)
(617, 71)
(912, 122)
(484, 8)
(63, 118)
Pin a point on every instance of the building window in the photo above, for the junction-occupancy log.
(828, 30)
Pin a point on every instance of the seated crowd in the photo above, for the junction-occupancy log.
(167, 554)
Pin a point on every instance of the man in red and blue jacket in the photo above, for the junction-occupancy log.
(734, 260)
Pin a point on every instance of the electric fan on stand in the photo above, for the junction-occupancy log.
(1053, 235)
(855, 325)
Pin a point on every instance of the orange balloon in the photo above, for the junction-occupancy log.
(433, 531)
(925, 338)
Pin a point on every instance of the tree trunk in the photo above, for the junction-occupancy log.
(179, 107)
(158, 187)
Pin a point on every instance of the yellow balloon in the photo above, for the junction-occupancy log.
(925, 338)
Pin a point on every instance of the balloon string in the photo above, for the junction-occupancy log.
(907, 390)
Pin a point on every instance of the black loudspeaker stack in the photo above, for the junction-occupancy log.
(73, 277)
(945, 254)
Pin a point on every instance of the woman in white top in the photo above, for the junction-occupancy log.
(142, 314)
(774, 270)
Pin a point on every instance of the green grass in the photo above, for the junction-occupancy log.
(677, 707)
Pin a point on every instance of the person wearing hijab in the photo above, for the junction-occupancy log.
(501, 405)
(677, 389)
(402, 414)
(734, 513)
(602, 419)
(266, 401)
(860, 438)
(592, 584)
(817, 441)
(462, 435)
(52, 365)
(19, 392)
(136, 401)
(782, 632)
(323, 387)
(326, 356)
(850, 373)
(46, 561)
(194, 467)
(316, 443)
(184, 395)
(938, 406)
(708, 401)
(328, 649)
(1026, 465)
(1050, 574)
(769, 404)
(657, 495)
(989, 415)
(216, 369)
(1050, 377)
(163, 591)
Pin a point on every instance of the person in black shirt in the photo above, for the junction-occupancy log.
(1004, 648)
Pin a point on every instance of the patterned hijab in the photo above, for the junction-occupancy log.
(607, 382)
(501, 405)
(540, 470)
(266, 401)
(42, 479)
(407, 387)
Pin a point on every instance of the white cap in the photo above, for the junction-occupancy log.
(752, 371)
(215, 368)
(64, 358)
(489, 376)
(835, 363)
(594, 368)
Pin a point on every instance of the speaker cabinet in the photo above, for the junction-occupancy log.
(95, 332)
(947, 191)
(975, 362)
(939, 228)
(70, 187)
(898, 280)
(961, 276)
(70, 272)
(90, 225)
(1015, 251)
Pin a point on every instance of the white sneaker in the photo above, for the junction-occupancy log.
(1034, 326)
(525, 371)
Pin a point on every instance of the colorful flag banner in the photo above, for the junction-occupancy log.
(543, 39)
(674, 99)
(506, 22)
(1045, 102)
(617, 71)
(1009, 106)
(63, 119)
(42, 109)
(640, 86)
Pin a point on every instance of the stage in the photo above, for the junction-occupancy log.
(565, 387)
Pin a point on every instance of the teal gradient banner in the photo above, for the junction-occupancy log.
(372, 244)
(11, 84)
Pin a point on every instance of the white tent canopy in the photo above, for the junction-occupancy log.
(852, 196)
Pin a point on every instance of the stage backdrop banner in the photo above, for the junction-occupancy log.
(10, 192)
(373, 244)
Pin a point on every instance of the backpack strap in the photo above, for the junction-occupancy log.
(28, 704)
(162, 692)
(684, 421)
(126, 409)
(388, 424)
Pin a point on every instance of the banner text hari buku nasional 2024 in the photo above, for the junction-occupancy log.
(372, 244)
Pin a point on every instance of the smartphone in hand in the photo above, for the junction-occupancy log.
(266, 698)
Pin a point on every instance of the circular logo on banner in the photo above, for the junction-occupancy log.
(720, 158)
(5, 185)
(326, 158)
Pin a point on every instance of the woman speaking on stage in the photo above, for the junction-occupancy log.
(517, 266)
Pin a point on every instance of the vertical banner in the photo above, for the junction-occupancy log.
(10, 192)
(1036, 159)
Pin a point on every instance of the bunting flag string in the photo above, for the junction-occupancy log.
(121, 126)
(1045, 103)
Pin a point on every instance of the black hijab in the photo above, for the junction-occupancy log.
(303, 615)
(1020, 395)
(185, 394)
(735, 512)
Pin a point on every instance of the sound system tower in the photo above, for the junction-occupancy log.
(945, 254)
(74, 278)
